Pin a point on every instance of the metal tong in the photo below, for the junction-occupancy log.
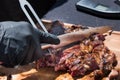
(23, 5)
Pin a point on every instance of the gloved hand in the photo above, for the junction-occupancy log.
(20, 43)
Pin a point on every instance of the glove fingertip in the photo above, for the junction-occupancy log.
(57, 41)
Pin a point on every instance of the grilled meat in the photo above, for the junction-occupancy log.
(90, 55)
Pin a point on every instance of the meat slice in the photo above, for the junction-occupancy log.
(95, 75)
(58, 28)
(66, 76)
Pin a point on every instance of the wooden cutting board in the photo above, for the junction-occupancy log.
(112, 42)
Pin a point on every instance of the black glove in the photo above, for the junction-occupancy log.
(20, 43)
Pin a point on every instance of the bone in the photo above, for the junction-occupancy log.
(69, 38)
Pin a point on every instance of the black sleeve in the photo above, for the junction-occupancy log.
(10, 9)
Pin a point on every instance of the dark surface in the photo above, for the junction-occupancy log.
(65, 10)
